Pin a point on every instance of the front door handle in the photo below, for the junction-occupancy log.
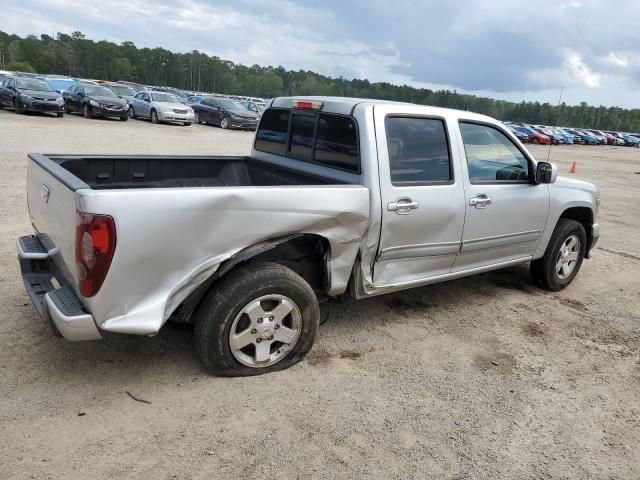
(403, 206)
(481, 200)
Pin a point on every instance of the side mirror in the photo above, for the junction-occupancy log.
(546, 172)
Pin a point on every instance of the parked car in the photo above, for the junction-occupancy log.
(522, 136)
(93, 100)
(631, 140)
(136, 87)
(581, 138)
(567, 138)
(182, 97)
(535, 136)
(337, 197)
(592, 138)
(602, 138)
(25, 94)
(123, 91)
(255, 107)
(225, 113)
(619, 138)
(556, 138)
(159, 107)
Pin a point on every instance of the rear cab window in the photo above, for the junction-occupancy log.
(419, 152)
(317, 137)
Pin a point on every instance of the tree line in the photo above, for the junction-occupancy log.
(77, 56)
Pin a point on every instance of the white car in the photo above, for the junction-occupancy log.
(160, 107)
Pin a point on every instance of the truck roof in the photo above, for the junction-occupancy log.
(346, 105)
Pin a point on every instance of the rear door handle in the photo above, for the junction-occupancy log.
(403, 206)
(481, 200)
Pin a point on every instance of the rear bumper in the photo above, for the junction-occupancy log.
(59, 307)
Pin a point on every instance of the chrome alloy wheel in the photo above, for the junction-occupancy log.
(265, 331)
(568, 257)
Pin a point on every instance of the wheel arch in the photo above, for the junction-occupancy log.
(585, 217)
(305, 253)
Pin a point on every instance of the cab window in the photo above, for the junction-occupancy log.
(418, 151)
(492, 157)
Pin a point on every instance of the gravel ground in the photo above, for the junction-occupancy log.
(485, 377)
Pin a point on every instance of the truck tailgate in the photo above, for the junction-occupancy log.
(51, 195)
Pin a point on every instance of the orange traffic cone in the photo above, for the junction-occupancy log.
(573, 168)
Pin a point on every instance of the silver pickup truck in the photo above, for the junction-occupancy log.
(338, 196)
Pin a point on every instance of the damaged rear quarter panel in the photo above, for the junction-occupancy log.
(174, 239)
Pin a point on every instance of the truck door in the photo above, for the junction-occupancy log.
(422, 195)
(506, 211)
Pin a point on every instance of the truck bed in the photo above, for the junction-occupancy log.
(117, 172)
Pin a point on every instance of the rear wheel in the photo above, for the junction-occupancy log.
(258, 319)
(86, 111)
(563, 257)
(154, 117)
(225, 123)
(196, 118)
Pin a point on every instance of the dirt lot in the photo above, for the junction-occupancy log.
(486, 377)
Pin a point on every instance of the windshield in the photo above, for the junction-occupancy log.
(98, 91)
(30, 84)
(164, 97)
(231, 105)
(121, 90)
(61, 83)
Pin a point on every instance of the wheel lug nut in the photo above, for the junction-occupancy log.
(271, 337)
(276, 326)
(259, 320)
(271, 318)
(258, 340)
(253, 331)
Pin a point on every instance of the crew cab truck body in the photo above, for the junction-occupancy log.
(338, 196)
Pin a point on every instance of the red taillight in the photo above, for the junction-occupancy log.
(95, 245)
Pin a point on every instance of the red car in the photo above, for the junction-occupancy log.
(541, 139)
(611, 140)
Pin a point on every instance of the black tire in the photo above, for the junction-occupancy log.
(154, 117)
(225, 123)
(226, 300)
(187, 124)
(124, 119)
(543, 270)
(535, 141)
(132, 113)
(60, 114)
(86, 111)
(196, 118)
(16, 106)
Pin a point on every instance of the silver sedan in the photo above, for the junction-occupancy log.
(161, 107)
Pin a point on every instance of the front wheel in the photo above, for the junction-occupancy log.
(535, 141)
(16, 107)
(261, 318)
(132, 113)
(154, 117)
(187, 124)
(225, 123)
(563, 257)
(86, 112)
(124, 119)
(60, 114)
(196, 118)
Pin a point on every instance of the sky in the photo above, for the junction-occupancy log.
(509, 49)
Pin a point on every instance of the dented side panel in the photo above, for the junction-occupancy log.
(175, 239)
